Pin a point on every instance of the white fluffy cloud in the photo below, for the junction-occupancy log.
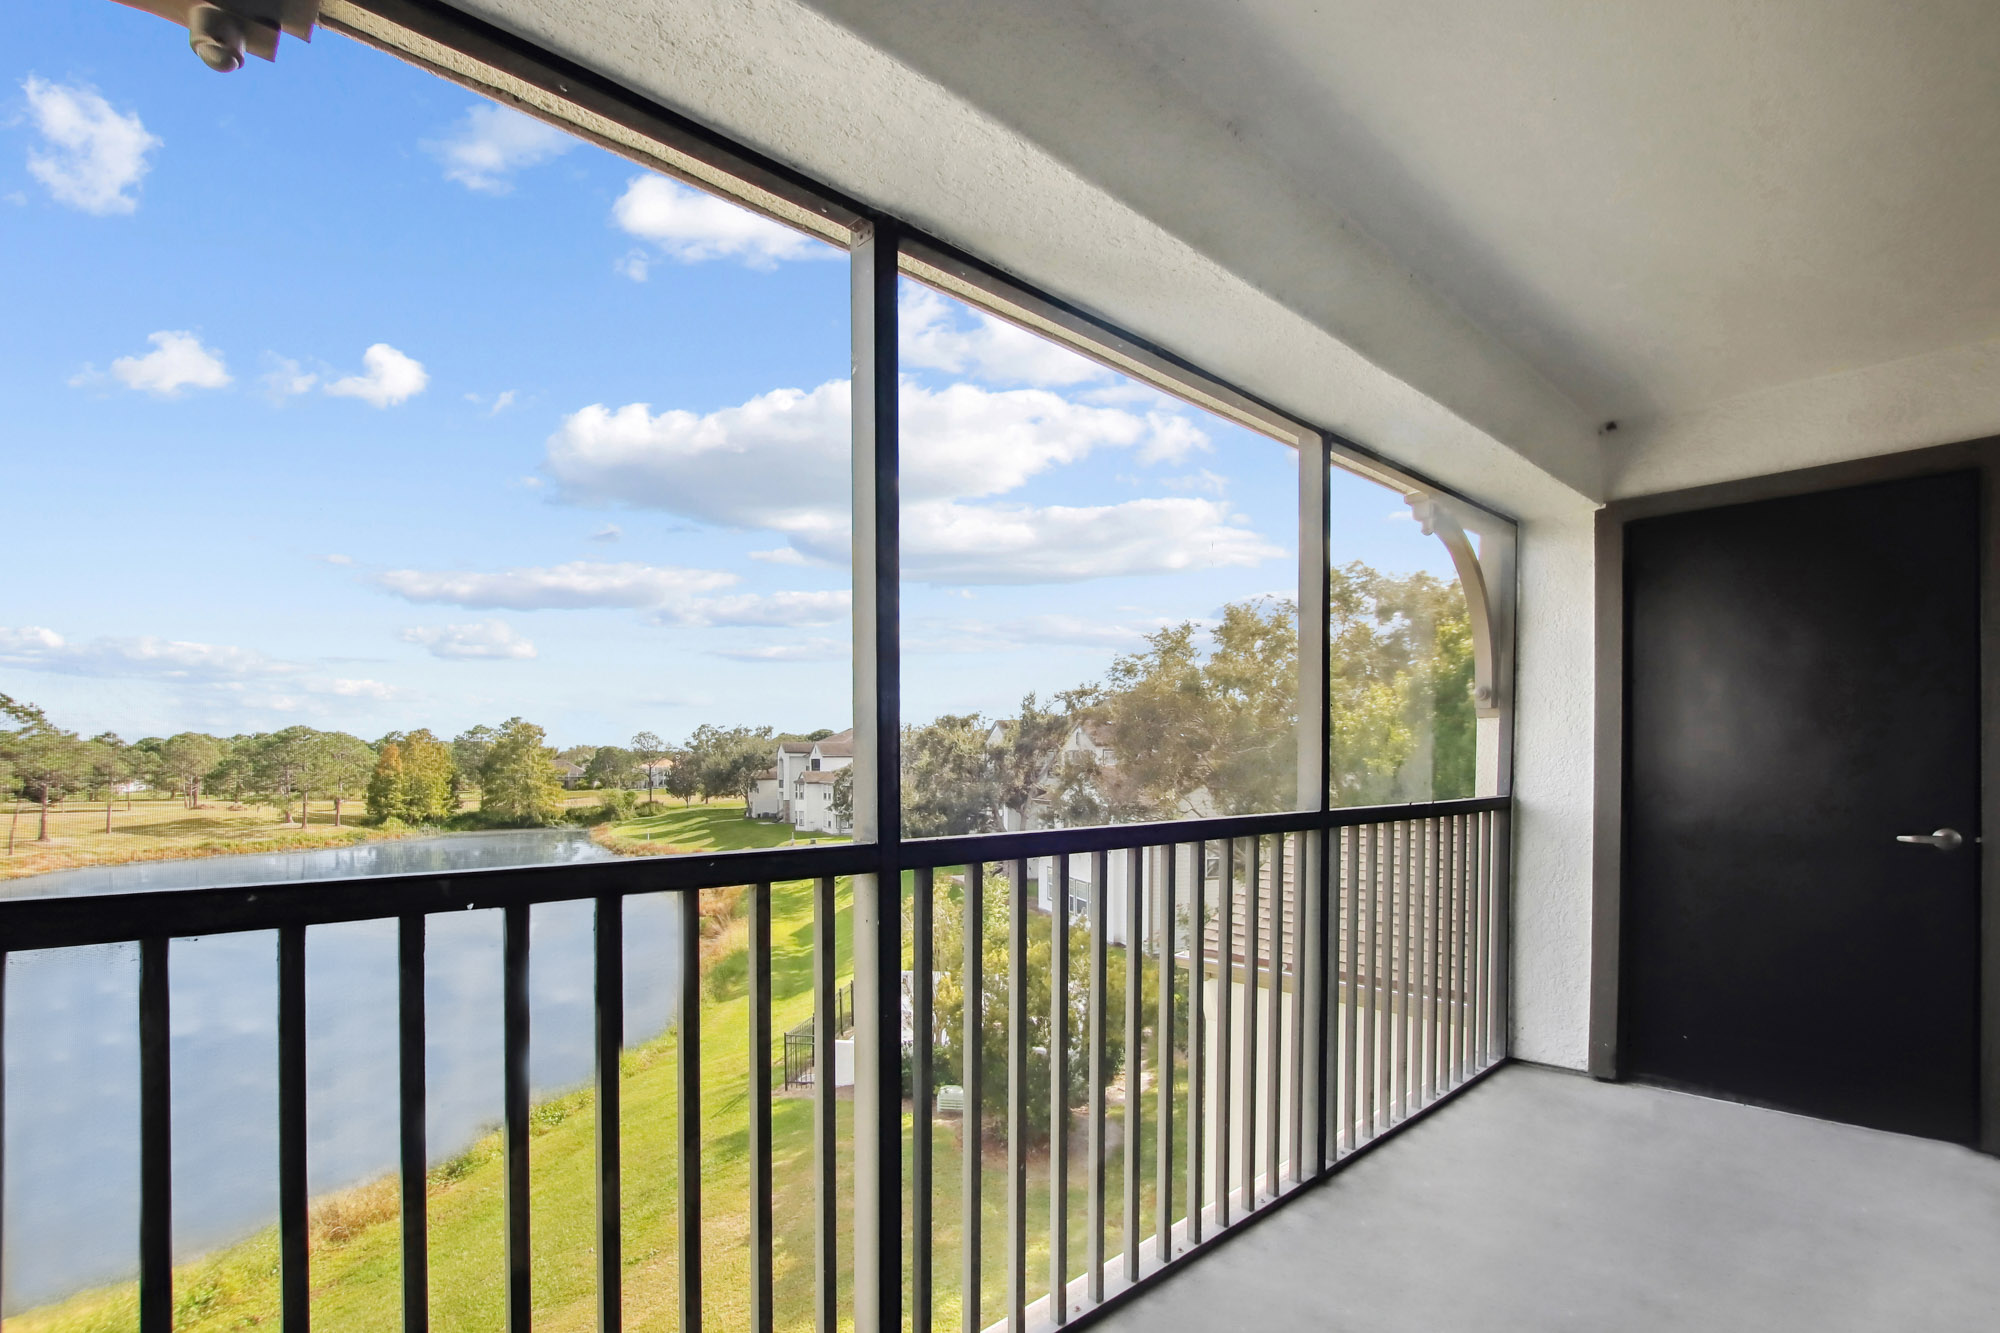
(671, 595)
(578, 585)
(948, 542)
(692, 226)
(780, 462)
(95, 155)
(796, 650)
(938, 333)
(178, 361)
(489, 640)
(239, 674)
(486, 148)
(390, 377)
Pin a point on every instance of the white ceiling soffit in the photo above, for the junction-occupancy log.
(1671, 212)
(1406, 375)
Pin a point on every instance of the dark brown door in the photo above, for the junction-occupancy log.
(1802, 690)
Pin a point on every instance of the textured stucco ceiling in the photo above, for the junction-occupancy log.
(1755, 234)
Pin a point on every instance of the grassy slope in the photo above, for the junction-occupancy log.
(164, 829)
(356, 1268)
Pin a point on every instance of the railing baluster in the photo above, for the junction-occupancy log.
(514, 1006)
(1135, 966)
(762, 1236)
(1225, 1020)
(295, 1278)
(412, 1151)
(1058, 1092)
(922, 1103)
(1359, 909)
(972, 1118)
(1197, 1036)
(688, 1059)
(1100, 961)
(608, 987)
(1274, 1053)
(1440, 875)
(1467, 923)
(1305, 943)
(1481, 1034)
(156, 1182)
(1403, 841)
(1017, 1096)
(1163, 1064)
(826, 1258)
(1252, 1000)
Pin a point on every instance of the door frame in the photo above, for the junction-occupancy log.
(1607, 1001)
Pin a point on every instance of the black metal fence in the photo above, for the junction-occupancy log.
(1315, 979)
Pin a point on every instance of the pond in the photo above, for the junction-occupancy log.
(72, 1071)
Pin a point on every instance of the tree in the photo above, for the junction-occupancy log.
(948, 1006)
(518, 783)
(110, 764)
(612, 766)
(468, 754)
(339, 764)
(683, 778)
(727, 760)
(278, 765)
(647, 750)
(843, 797)
(185, 759)
(1404, 725)
(947, 780)
(415, 780)
(46, 762)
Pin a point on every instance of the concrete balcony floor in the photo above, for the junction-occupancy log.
(1544, 1201)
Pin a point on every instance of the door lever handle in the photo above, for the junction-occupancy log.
(1944, 840)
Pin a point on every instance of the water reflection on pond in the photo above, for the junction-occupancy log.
(72, 1166)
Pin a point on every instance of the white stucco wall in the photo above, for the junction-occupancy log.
(1554, 777)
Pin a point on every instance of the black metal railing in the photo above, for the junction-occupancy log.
(1294, 985)
(799, 1041)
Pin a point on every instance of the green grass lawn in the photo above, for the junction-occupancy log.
(701, 828)
(356, 1263)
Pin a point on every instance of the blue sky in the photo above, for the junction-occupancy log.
(334, 394)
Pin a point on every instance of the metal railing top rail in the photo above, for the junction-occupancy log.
(917, 853)
(110, 918)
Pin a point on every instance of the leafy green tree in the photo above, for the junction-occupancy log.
(1401, 700)
(843, 797)
(518, 783)
(612, 766)
(185, 759)
(947, 781)
(45, 762)
(339, 765)
(110, 763)
(468, 754)
(683, 778)
(41, 760)
(415, 780)
(648, 749)
(727, 760)
(949, 1004)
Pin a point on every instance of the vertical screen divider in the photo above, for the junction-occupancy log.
(412, 1150)
(294, 1265)
(826, 1198)
(1058, 1089)
(1017, 1096)
(514, 1042)
(608, 986)
(1100, 961)
(1253, 999)
(922, 1041)
(973, 1056)
(1225, 1022)
(688, 1060)
(1135, 966)
(1274, 1041)
(156, 1145)
(1197, 1035)
(763, 1317)
(1163, 1064)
